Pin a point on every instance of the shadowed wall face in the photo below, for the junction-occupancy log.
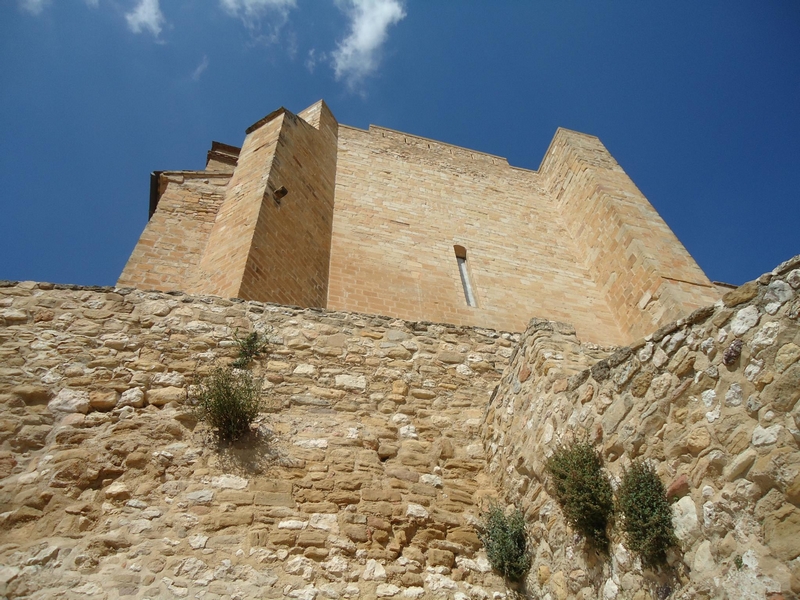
(169, 251)
(290, 253)
(231, 241)
(271, 240)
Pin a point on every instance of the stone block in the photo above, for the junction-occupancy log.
(319, 507)
(236, 497)
(271, 485)
(465, 537)
(357, 533)
(740, 295)
(282, 537)
(380, 495)
(782, 532)
(103, 399)
(376, 508)
(344, 497)
(316, 553)
(440, 558)
(162, 396)
(311, 538)
(231, 519)
(273, 499)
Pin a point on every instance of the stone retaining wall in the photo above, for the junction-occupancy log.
(363, 480)
(380, 443)
(712, 401)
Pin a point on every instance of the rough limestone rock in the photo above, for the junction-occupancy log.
(350, 486)
(380, 444)
(69, 401)
(711, 402)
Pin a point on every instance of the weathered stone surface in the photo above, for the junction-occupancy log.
(740, 295)
(744, 320)
(443, 558)
(133, 397)
(31, 394)
(739, 466)
(765, 436)
(103, 400)
(684, 518)
(678, 488)
(69, 401)
(311, 538)
(117, 491)
(698, 440)
(165, 395)
(787, 355)
(782, 532)
(784, 391)
(351, 382)
(641, 383)
(231, 519)
(378, 472)
(273, 499)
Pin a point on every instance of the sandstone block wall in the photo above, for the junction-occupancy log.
(169, 251)
(364, 481)
(404, 202)
(641, 269)
(290, 251)
(712, 401)
(265, 246)
(372, 219)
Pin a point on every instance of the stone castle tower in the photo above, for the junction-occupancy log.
(313, 213)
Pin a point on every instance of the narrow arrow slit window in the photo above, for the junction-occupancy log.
(461, 258)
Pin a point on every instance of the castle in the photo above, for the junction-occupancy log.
(396, 408)
(313, 213)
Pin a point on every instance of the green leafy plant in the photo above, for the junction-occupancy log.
(506, 542)
(229, 401)
(646, 514)
(250, 347)
(582, 490)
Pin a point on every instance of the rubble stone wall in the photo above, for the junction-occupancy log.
(380, 443)
(711, 401)
(364, 478)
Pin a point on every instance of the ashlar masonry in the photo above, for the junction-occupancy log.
(314, 213)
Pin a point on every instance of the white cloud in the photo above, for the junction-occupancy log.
(311, 61)
(146, 16)
(252, 11)
(358, 55)
(34, 7)
(200, 69)
(256, 8)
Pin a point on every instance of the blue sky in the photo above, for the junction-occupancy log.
(698, 101)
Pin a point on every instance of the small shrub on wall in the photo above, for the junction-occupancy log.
(506, 542)
(251, 346)
(582, 490)
(229, 400)
(646, 514)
